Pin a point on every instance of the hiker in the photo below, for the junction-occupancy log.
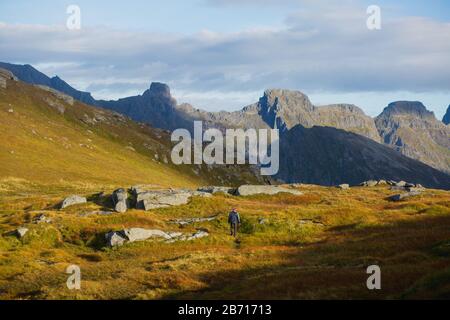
(234, 220)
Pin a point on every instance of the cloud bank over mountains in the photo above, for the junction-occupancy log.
(320, 49)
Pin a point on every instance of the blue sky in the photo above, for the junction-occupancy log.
(222, 54)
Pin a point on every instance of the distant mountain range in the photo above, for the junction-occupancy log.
(319, 144)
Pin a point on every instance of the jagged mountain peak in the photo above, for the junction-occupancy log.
(283, 98)
(415, 108)
(158, 89)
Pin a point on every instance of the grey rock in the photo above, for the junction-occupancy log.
(21, 232)
(343, 186)
(216, 189)
(115, 238)
(118, 238)
(73, 200)
(381, 182)
(401, 184)
(402, 196)
(120, 200)
(149, 200)
(201, 194)
(140, 234)
(369, 183)
(248, 190)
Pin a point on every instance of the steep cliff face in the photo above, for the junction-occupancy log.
(347, 117)
(408, 127)
(446, 118)
(331, 156)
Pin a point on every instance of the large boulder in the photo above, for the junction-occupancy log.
(21, 232)
(118, 238)
(248, 190)
(149, 200)
(72, 200)
(120, 200)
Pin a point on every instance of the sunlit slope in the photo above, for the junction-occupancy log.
(47, 138)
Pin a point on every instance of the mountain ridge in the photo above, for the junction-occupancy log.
(286, 109)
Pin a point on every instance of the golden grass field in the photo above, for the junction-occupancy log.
(46, 156)
(280, 259)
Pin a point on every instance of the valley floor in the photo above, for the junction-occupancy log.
(313, 246)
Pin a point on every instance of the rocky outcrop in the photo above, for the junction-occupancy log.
(120, 200)
(328, 156)
(4, 76)
(343, 186)
(118, 238)
(248, 190)
(73, 200)
(409, 128)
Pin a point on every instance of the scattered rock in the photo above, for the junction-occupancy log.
(403, 196)
(262, 221)
(343, 186)
(10, 110)
(21, 232)
(72, 200)
(392, 182)
(381, 182)
(119, 198)
(247, 190)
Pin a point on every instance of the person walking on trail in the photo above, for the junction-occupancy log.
(234, 220)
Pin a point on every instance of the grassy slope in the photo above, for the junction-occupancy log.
(279, 259)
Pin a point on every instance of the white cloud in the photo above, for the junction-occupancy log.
(322, 48)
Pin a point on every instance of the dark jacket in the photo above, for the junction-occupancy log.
(233, 217)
